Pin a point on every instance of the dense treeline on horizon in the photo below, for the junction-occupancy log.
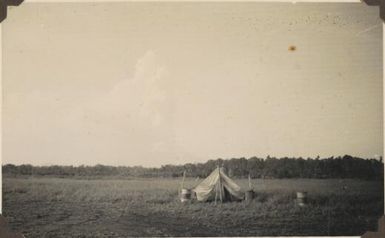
(338, 167)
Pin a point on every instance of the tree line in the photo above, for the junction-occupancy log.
(270, 167)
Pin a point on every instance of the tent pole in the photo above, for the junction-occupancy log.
(217, 187)
(249, 181)
(220, 185)
(182, 184)
(216, 193)
(184, 176)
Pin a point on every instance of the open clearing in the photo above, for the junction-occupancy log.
(54, 207)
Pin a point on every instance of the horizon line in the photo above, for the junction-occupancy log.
(375, 157)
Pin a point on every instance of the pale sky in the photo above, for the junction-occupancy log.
(172, 83)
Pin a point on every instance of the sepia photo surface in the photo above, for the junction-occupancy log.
(192, 119)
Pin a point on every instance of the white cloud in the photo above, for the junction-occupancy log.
(136, 100)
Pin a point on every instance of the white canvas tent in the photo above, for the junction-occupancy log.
(218, 186)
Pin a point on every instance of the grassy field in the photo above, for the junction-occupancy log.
(53, 207)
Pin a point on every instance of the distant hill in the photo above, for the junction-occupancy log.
(270, 167)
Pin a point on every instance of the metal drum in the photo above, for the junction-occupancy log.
(301, 198)
(249, 195)
(185, 195)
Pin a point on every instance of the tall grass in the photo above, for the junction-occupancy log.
(92, 207)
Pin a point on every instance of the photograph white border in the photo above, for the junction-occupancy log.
(111, 1)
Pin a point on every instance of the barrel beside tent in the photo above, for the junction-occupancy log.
(301, 198)
(185, 195)
(249, 195)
